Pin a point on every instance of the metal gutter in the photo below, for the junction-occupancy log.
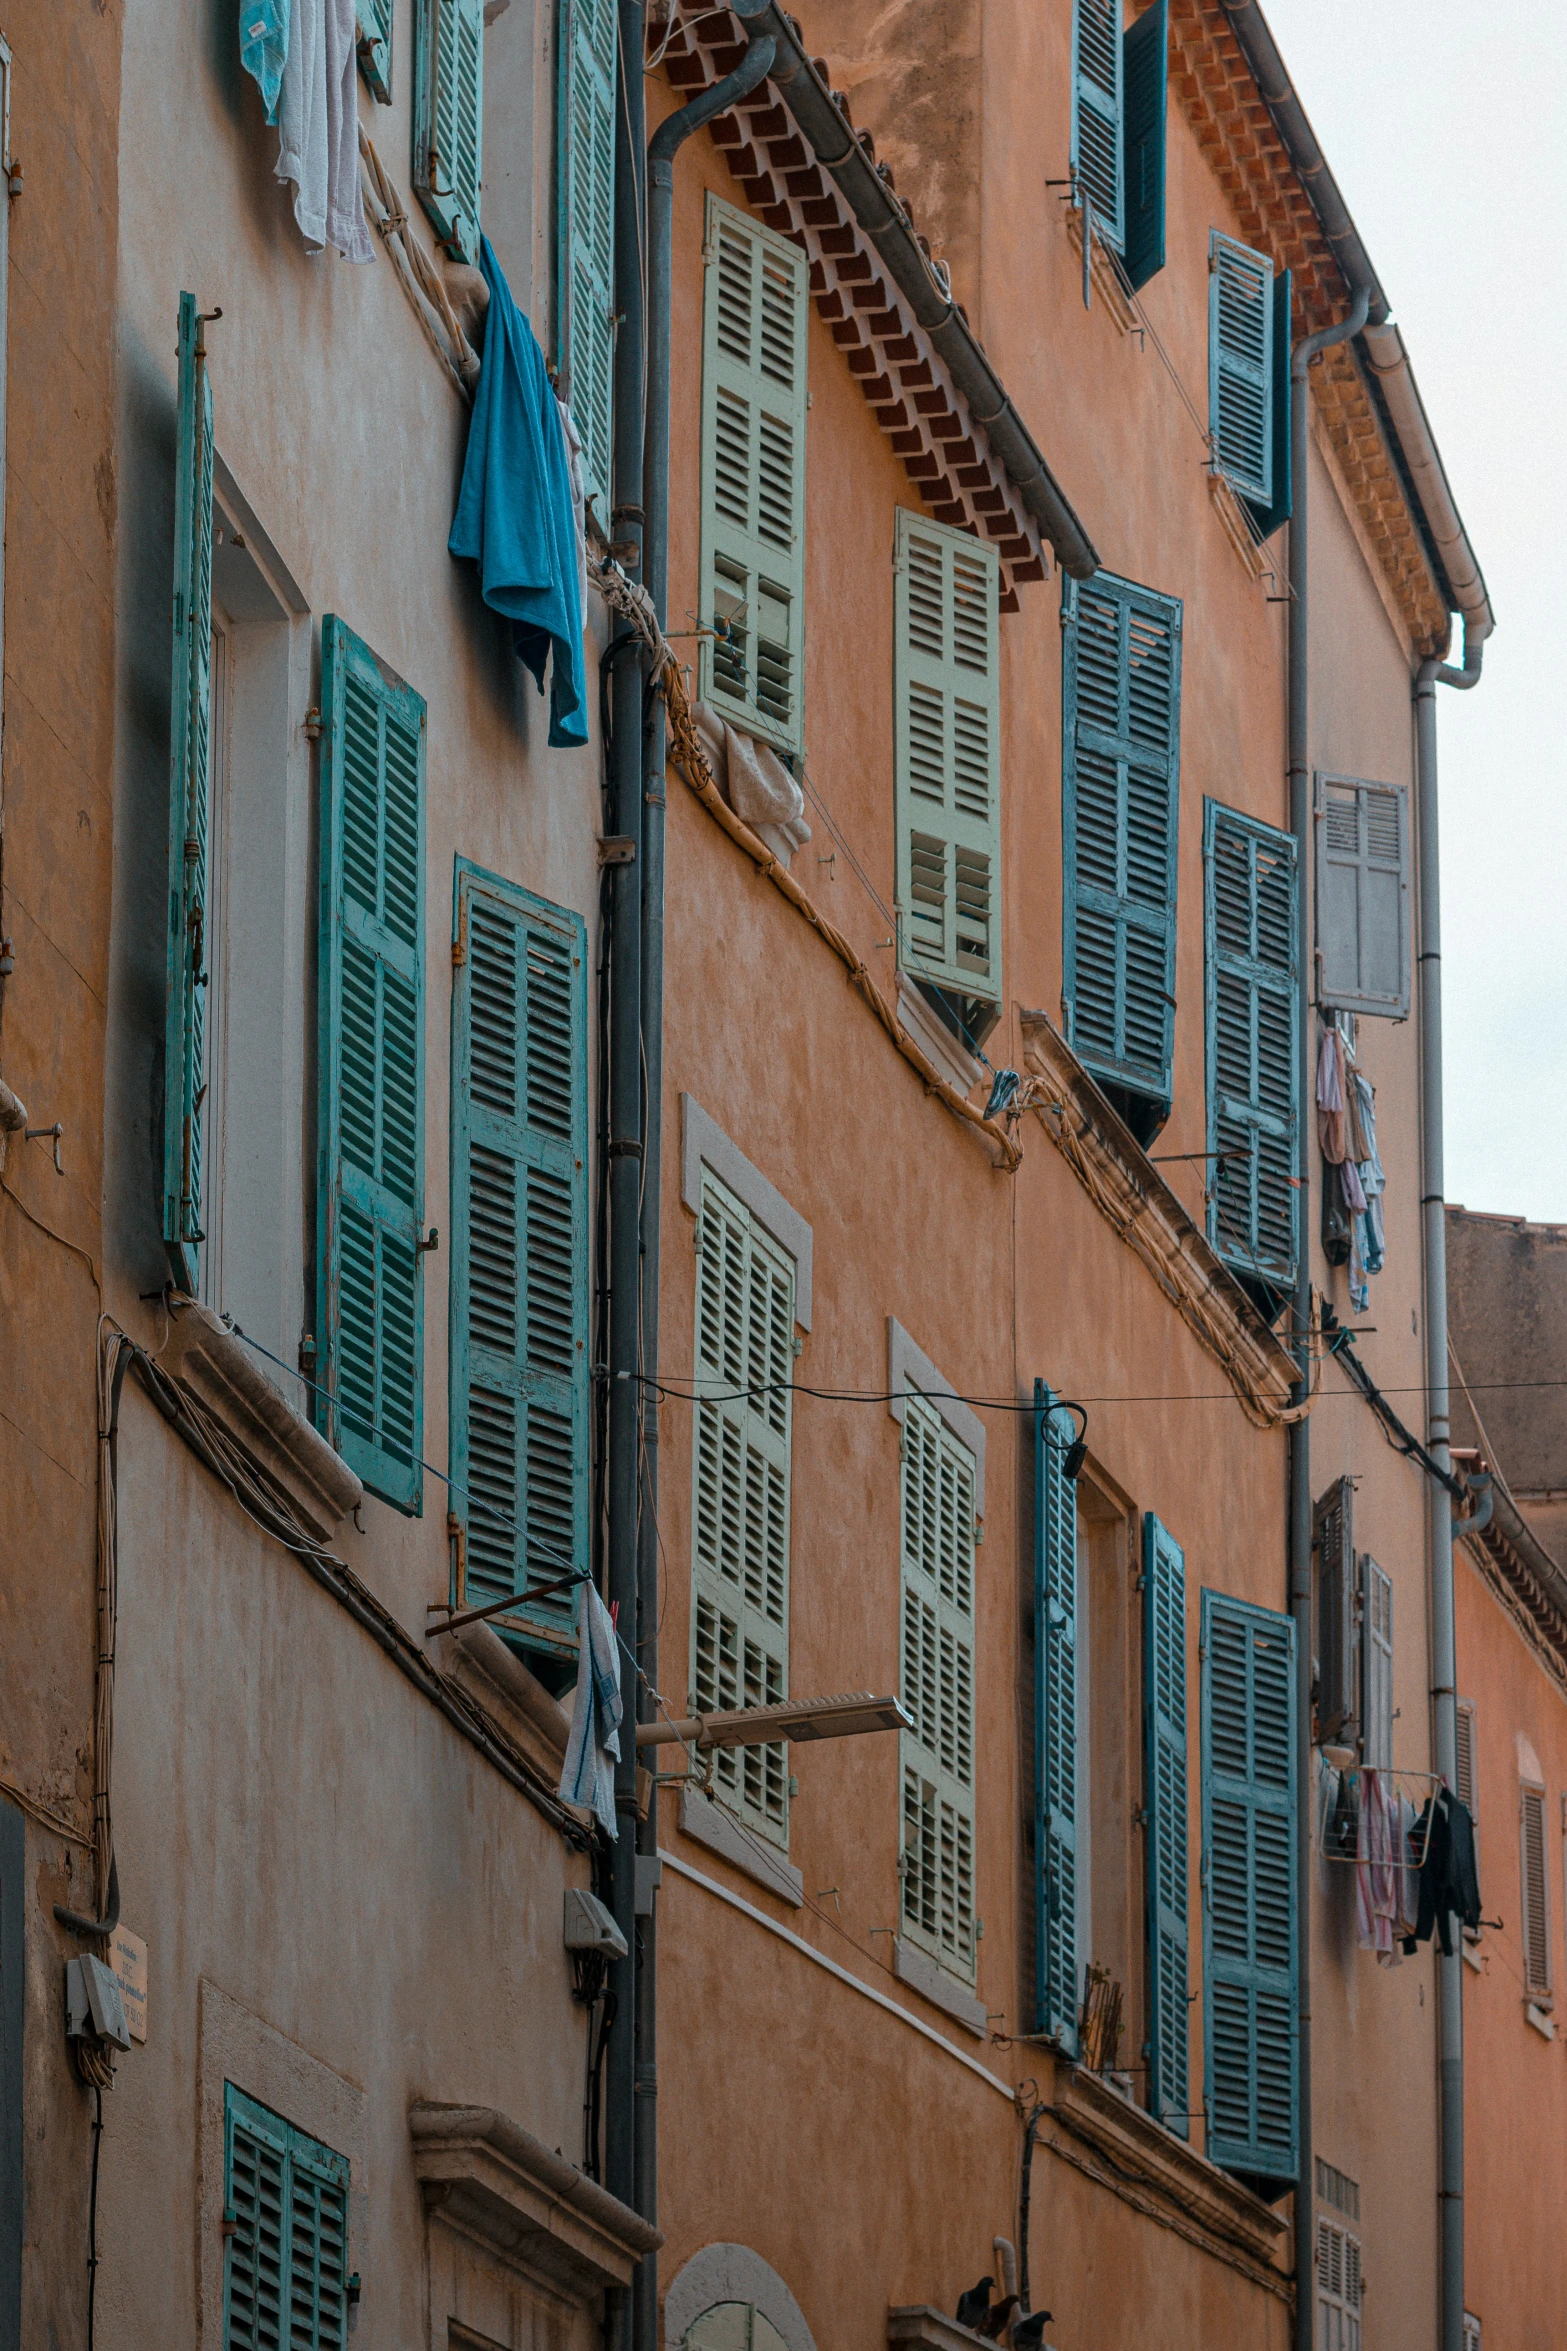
(1404, 410)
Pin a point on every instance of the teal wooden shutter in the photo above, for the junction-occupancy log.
(587, 231)
(370, 1206)
(1145, 67)
(1121, 761)
(1362, 877)
(449, 119)
(519, 1296)
(1248, 1830)
(754, 305)
(374, 18)
(1164, 1781)
(285, 2263)
(1096, 112)
(1240, 366)
(1055, 1724)
(936, 1863)
(947, 755)
(1269, 515)
(190, 707)
(1252, 960)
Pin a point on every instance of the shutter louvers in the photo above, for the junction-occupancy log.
(371, 991)
(1338, 1637)
(1338, 2288)
(374, 19)
(947, 721)
(1268, 517)
(1120, 819)
(1536, 1892)
(587, 231)
(1253, 1058)
(937, 1756)
(1363, 923)
(449, 120)
(285, 2266)
(190, 718)
(520, 1401)
(1240, 366)
(1249, 1797)
(1376, 1665)
(1096, 112)
(1165, 1799)
(753, 475)
(1055, 1723)
(1145, 54)
(1468, 1790)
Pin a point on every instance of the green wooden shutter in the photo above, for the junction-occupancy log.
(190, 707)
(1096, 112)
(449, 119)
(947, 755)
(754, 308)
(1240, 366)
(285, 2266)
(937, 1756)
(587, 231)
(1121, 761)
(1145, 66)
(1164, 1769)
(1055, 1724)
(1363, 892)
(1267, 516)
(519, 1298)
(1248, 1828)
(1252, 1031)
(370, 1207)
(740, 1510)
(375, 46)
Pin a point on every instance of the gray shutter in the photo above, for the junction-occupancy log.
(1338, 1655)
(1097, 73)
(1468, 1789)
(1376, 1665)
(1363, 897)
(1535, 1887)
(1240, 366)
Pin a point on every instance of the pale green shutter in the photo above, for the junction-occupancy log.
(587, 230)
(1164, 1782)
(753, 475)
(370, 1208)
(1097, 69)
(190, 701)
(519, 1298)
(1363, 896)
(1240, 366)
(285, 2263)
(1253, 1060)
(1055, 1724)
(449, 119)
(374, 19)
(947, 722)
(937, 1755)
(740, 1514)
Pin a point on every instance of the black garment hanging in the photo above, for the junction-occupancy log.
(1449, 1880)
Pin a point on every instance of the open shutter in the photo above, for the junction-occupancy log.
(374, 18)
(449, 119)
(370, 1209)
(190, 708)
(1338, 2288)
(946, 685)
(1267, 517)
(519, 1301)
(937, 1756)
(1145, 66)
(753, 475)
(1055, 1724)
(285, 2269)
(1535, 1889)
(1468, 1789)
(1164, 1782)
(1363, 896)
(1096, 112)
(1376, 1665)
(1240, 366)
(1253, 1058)
(1121, 807)
(587, 231)
(1338, 1617)
(1248, 1808)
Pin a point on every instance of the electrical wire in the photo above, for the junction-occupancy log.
(92, 2217)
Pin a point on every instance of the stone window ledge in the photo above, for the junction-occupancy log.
(476, 1657)
(501, 2185)
(710, 1825)
(204, 1358)
(929, 1978)
(919, 2326)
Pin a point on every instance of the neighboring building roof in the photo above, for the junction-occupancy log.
(1507, 1312)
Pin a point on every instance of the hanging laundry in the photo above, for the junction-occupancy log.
(1449, 1879)
(1335, 1217)
(1372, 1180)
(763, 793)
(1408, 1876)
(514, 516)
(593, 1748)
(263, 46)
(318, 126)
(1376, 1891)
(1332, 1131)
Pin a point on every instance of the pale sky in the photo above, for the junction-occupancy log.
(1445, 127)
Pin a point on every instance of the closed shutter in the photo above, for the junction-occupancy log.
(1338, 2288)
(1248, 1806)
(190, 724)
(285, 2266)
(1253, 1054)
(449, 119)
(370, 1209)
(1164, 1770)
(1535, 1904)
(1055, 1723)
(519, 1400)
(753, 475)
(1468, 1789)
(1338, 1615)
(374, 19)
(745, 1364)
(937, 1756)
(1376, 1665)
(587, 231)
(1121, 757)
(1363, 896)
(1145, 65)
(1268, 515)
(946, 685)
(1240, 366)
(1096, 112)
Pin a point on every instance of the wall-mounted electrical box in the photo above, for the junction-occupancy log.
(94, 2010)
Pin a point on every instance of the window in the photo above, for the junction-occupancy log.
(1471, 2332)
(1241, 366)
(753, 475)
(448, 116)
(1338, 2288)
(1055, 1724)
(1248, 1826)
(1253, 1058)
(1376, 1665)
(1534, 1893)
(1165, 1800)
(1145, 52)
(1363, 896)
(370, 1193)
(1097, 83)
(587, 231)
(375, 46)
(519, 1299)
(740, 1512)
(936, 1863)
(285, 2265)
(1468, 1790)
(1121, 717)
(1338, 1615)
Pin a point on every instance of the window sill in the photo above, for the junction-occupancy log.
(1541, 2019)
(935, 1040)
(929, 1978)
(917, 2326)
(480, 1662)
(707, 1823)
(214, 1367)
(491, 2180)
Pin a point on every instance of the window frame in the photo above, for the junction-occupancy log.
(297, 2151)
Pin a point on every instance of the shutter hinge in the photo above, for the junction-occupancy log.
(312, 723)
(423, 1248)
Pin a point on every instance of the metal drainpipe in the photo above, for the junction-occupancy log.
(1300, 1431)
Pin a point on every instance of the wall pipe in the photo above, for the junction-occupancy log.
(1305, 351)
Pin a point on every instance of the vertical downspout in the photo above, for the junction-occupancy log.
(1303, 354)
